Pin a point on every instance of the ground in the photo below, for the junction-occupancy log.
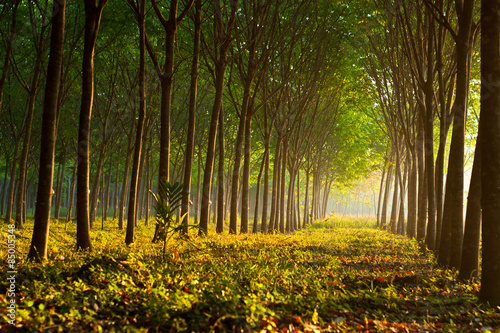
(337, 275)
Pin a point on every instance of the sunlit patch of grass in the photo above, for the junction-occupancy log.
(336, 275)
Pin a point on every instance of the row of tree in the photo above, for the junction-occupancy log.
(421, 60)
(266, 90)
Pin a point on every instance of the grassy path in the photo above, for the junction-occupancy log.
(318, 280)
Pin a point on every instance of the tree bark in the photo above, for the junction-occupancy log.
(451, 250)
(92, 20)
(220, 176)
(133, 196)
(39, 240)
(193, 91)
(489, 129)
(223, 42)
(245, 195)
(60, 181)
(71, 193)
(469, 265)
(265, 199)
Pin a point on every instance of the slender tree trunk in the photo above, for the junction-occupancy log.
(71, 193)
(108, 191)
(412, 196)
(387, 193)
(4, 185)
(92, 20)
(210, 157)
(12, 183)
(430, 239)
(123, 197)
(469, 266)
(284, 158)
(223, 43)
(245, 196)
(133, 196)
(39, 240)
(117, 179)
(422, 183)
(265, 199)
(381, 194)
(395, 196)
(96, 188)
(220, 176)
(60, 182)
(298, 224)
(193, 91)
(276, 179)
(450, 252)
(290, 206)
(198, 186)
(33, 92)
(257, 197)
(306, 199)
(401, 217)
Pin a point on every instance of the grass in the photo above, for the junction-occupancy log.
(337, 275)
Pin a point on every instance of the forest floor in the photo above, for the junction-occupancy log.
(334, 276)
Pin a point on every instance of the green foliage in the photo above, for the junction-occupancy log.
(328, 277)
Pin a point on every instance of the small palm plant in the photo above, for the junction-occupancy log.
(168, 201)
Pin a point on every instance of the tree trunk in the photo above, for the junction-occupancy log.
(96, 187)
(223, 43)
(380, 193)
(412, 197)
(32, 92)
(430, 239)
(257, 197)
(281, 210)
(276, 179)
(469, 266)
(133, 196)
(450, 252)
(220, 176)
(39, 240)
(245, 196)
(489, 129)
(117, 179)
(387, 193)
(12, 183)
(193, 91)
(395, 196)
(265, 199)
(422, 183)
(306, 199)
(107, 195)
(71, 193)
(92, 20)
(198, 187)
(60, 181)
(123, 197)
(4, 186)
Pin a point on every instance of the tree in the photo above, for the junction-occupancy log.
(39, 240)
(93, 12)
(489, 132)
(193, 91)
(452, 236)
(139, 8)
(222, 40)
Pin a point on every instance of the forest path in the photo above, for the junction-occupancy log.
(322, 278)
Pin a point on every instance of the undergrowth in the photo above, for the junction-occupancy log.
(336, 275)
